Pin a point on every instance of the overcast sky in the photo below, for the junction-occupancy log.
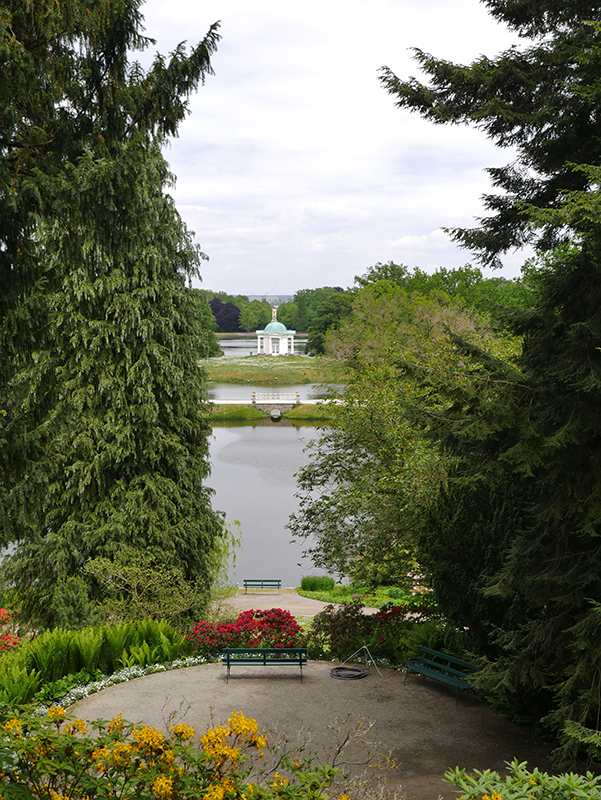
(294, 168)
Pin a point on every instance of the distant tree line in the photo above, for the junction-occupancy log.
(317, 311)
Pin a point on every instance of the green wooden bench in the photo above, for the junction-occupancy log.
(262, 583)
(442, 667)
(265, 657)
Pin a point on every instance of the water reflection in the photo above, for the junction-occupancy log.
(253, 477)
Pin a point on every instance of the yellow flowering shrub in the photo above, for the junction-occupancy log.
(62, 758)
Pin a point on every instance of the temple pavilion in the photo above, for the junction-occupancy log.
(276, 339)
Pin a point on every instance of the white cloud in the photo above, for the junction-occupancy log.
(294, 167)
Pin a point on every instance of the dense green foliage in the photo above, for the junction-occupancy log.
(328, 316)
(371, 478)
(493, 296)
(300, 314)
(55, 654)
(513, 542)
(105, 442)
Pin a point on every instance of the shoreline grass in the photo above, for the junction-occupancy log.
(237, 412)
(272, 370)
(306, 411)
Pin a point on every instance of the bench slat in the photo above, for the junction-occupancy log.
(453, 660)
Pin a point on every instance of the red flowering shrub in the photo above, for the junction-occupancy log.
(338, 632)
(271, 628)
(8, 639)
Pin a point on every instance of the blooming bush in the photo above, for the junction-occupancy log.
(338, 632)
(270, 628)
(58, 757)
(8, 639)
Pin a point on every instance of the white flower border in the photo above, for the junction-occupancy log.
(122, 676)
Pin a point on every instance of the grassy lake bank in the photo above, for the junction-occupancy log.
(275, 370)
(304, 412)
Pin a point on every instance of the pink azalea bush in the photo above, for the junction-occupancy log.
(273, 627)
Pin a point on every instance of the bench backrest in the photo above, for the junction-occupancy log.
(451, 661)
(296, 654)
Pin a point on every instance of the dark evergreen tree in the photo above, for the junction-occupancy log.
(541, 99)
(537, 571)
(106, 443)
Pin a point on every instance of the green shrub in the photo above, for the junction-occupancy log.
(17, 684)
(393, 634)
(317, 583)
(337, 632)
(64, 757)
(521, 783)
(139, 586)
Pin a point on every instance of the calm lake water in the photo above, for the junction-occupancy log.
(253, 477)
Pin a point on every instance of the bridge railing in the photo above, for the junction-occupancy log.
(276, 397)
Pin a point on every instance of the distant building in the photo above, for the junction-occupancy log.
(276, 339)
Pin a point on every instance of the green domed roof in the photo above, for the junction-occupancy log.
(275, 327)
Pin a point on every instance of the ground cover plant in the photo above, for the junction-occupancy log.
(269, 628)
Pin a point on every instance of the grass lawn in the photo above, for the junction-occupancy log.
(271, 370)
(372, 598)
(308, 412)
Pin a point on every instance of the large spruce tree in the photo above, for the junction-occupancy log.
(105, 436)
(516, 537)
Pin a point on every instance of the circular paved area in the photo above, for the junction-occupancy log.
(418, 723)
